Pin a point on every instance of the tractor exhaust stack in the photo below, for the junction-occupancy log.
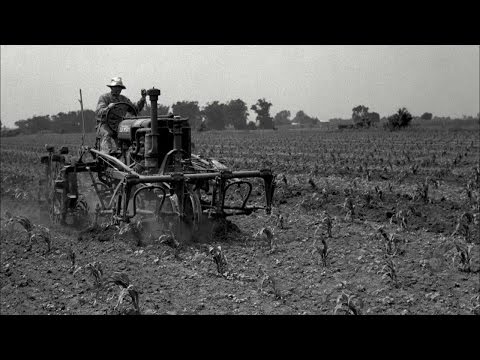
(151, 153)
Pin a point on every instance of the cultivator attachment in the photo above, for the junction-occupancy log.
(58, 190)
(154, 175)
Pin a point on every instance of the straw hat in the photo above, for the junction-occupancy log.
(117, 81)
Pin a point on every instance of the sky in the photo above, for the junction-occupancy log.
(323, 81)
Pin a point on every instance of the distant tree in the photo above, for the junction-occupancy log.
(282, 118)
(374, 118)
(426, 116)
(21, 124)
(236, 114)
(360, 115)
(188, 109)
(305, 120)
(399, 120)
(262, 108)
(251, 125)
(214, 113)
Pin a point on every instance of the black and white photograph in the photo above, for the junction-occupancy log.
(260, 179)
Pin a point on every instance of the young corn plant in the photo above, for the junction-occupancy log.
(269, 237)
(25, 222)
(414, 169)
(219, 258)
(280, 222)
(171, 241)
(475, 308)
(379, 193)
(390, 187)
(348, 305)
(368, 197)
(349, 207)
(390, 270)
(126, 288)
(400, 217)
(422, 192)
(270, 280)
(96, 271)
(328, 224)
(98, 209)
(324, 195)
(34, 232)
(464, 252)
(463, 226)
(134, 228)
(72, 257)
(391, 244)
(323, 250)
(41, 232)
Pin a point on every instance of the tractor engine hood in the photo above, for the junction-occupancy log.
(128, 127)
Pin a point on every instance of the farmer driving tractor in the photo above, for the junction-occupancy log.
(108, 119)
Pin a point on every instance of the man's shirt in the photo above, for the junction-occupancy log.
(108, 98)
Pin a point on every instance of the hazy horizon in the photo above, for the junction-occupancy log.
(323, 81)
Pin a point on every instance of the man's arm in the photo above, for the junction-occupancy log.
(139, 105)
(102, 106)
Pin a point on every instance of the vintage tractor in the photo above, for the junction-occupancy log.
(152, 175)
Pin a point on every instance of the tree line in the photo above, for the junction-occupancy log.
(219, 116)
(362, 117)
(214, 115)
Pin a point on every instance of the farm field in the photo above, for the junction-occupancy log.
(363, 222)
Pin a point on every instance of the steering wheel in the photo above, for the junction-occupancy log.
(117, 113)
